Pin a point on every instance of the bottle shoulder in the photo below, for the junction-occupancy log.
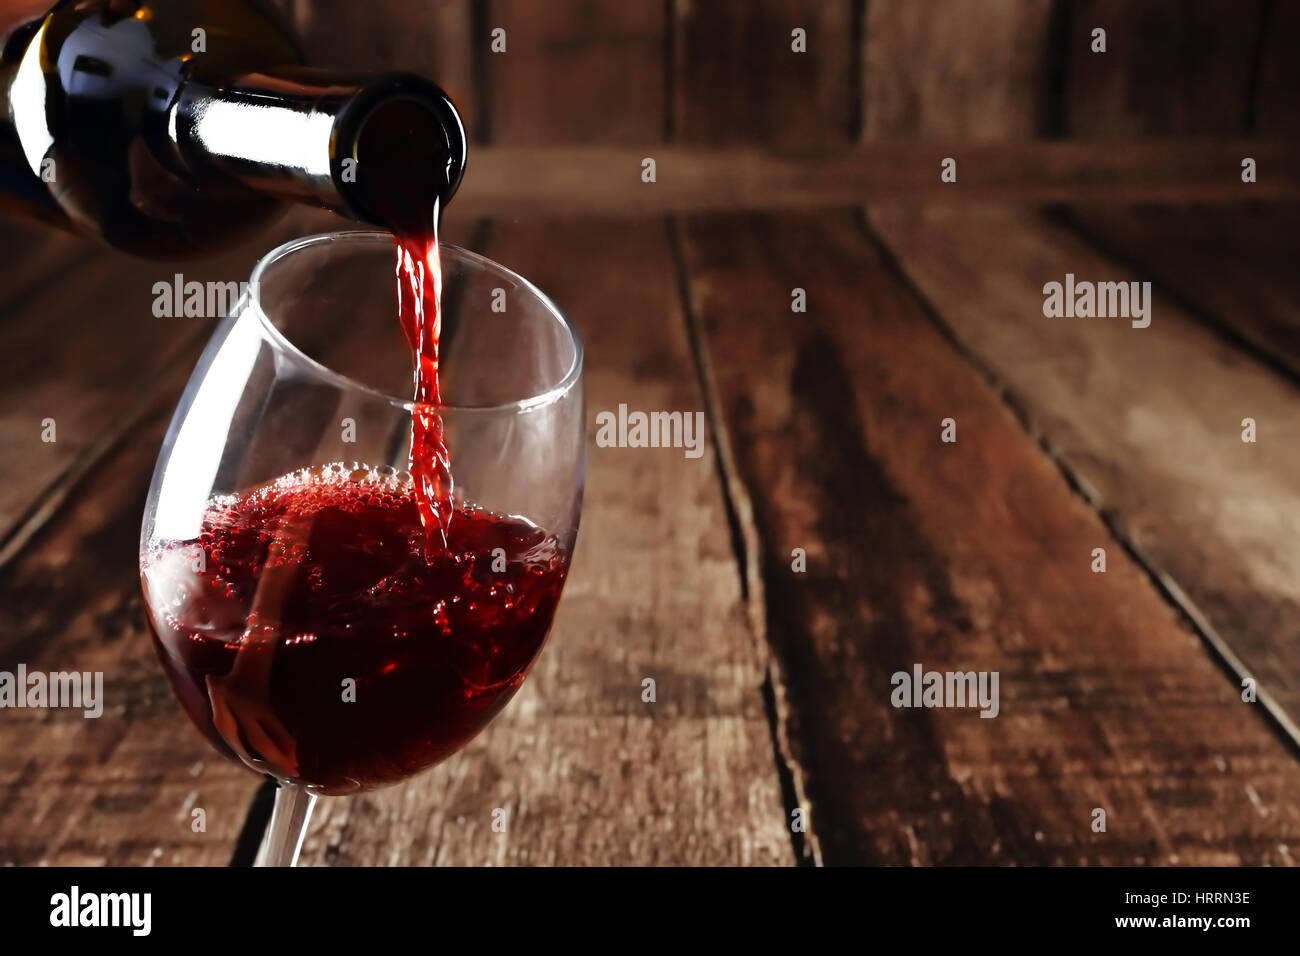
(89, 107)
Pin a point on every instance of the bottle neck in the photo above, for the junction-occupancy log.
(367, 147)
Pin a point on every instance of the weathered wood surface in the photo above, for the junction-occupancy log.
(586, 771)
(973, 555)
(1099, 683)
(1234, 266)
(849, 399)
(773, 686)
(952, 70)
(1149, 420)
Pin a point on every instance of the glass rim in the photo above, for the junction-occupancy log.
(277, 337)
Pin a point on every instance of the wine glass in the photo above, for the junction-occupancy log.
(303, 626)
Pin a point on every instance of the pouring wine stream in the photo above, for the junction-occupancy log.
(419, 310)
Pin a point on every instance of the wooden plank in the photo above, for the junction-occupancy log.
(1234, 265)
(954, 70)
(587, 772)
(432, 38)
(120, 789)
(965, 556)
(729, 62)
(607, 181)
(1150, 420)
(1171, 68)
(575, 71)
(739, 79)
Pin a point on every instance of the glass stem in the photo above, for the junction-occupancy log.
(288, 826)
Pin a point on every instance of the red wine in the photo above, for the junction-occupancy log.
(321, 577)
(419, 310)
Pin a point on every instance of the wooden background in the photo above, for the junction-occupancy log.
(776, 170)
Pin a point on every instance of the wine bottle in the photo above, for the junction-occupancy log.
(176, 126)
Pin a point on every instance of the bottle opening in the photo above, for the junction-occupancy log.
(408, 146)
(405, 165)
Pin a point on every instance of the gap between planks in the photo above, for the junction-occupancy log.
(735, 498)
(747, 547)
(1168, 588)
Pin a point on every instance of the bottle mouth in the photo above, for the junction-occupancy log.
(398, 150)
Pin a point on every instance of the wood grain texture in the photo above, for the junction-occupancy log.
(576, 71)
(1234, 265)
(587, 772)
(739, 80)
(606, 181)
(1150, 420)
(966, 556)
(954, 70)
(1171, 68)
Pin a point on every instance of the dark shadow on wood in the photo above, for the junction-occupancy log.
(255, 824)
(1060, 21)
(1266, 20)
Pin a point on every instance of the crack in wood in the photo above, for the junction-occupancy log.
(747, 547)
(1170, 591)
